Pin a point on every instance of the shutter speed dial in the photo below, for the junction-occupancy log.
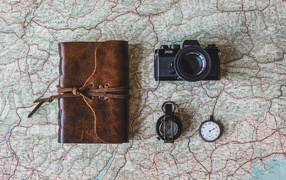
(164, 47)
(175, 46)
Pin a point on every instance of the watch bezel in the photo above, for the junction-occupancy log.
(200, 129)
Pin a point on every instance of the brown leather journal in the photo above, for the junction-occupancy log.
(93, 92)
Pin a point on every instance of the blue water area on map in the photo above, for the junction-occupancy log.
(9, 134)
(274, 170)
(60, 169)
(105, 168)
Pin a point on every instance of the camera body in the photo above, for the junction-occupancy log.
(190, 63)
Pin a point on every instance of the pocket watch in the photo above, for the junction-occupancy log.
(210, 130)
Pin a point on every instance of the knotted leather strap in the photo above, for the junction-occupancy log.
(104, 92)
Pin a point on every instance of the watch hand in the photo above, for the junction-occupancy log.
(212, 129)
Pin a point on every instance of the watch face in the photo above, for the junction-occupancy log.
(209, 131)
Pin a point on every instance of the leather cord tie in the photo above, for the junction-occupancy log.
(87, 91)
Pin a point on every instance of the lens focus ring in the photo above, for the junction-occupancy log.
(192, 63)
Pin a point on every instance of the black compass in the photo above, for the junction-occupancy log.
(169, 127)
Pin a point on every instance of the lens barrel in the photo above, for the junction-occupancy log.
(192, 63)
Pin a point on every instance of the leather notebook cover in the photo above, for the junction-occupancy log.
(93, 88)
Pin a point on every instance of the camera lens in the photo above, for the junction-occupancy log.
(192, 63)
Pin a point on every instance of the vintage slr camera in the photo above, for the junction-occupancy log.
(189, 63)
